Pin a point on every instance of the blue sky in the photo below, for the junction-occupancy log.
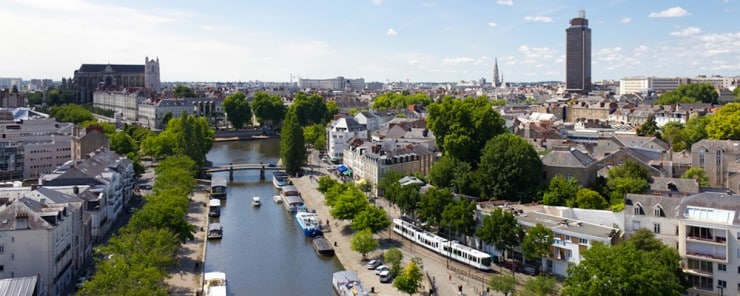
(379, 40)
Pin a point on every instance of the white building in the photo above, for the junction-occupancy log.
(340, 132)
(634, 85)
(122, 101)
(339, 84)
(33, 147)
(152, 111)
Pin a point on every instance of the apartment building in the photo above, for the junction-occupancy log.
(340, 132)
(33, 147)
(719, 159)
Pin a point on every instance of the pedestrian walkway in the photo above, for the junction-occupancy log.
(186, 277)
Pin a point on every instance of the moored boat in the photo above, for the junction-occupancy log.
(322, 246)
(291, 198)
(256, 201)
(214, 207)
(218, 186)
(215, 231)
(346, 283)
(214, 283)
(308, 222)
(277, 199)
(280, 179)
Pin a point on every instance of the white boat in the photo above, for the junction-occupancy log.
(308, 222)
(280, 179)
(346, 283)
(277, 199)
(291, 198)
(214, 283)
(215, 231)
(256, 201)
(214, 207)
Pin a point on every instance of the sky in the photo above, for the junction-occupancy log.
(378, 40)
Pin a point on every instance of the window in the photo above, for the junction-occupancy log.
(701, 157)
(656, 228)
(721, 267)
(568, 254)
(721, 283)
(658, 212)
(567, 237)
(2, 267)
(583, 241)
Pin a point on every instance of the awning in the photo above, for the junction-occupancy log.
(347, 172)
(342, 168)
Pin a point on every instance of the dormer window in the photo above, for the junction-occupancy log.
(658, 211)
(638, 209)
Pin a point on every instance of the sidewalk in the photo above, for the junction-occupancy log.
(186, 277)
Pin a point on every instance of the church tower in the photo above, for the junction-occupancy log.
(496, 82)
(151, 74)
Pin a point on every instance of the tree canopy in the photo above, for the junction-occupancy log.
(690, 93)
(629, 177)
(649, 128)
(372, 218)
(182, 91)
(410, 279)
(725, 123)
(237, 109)
(698, 174)
(292, 143)
(315, 135)
(560, 190)
(537, 242)
(462, 127)
(459, 216)
(310, 109)
(71, 113)
(501, 230)
(363, 242)
(511, 169)
(394, 100)
(641, 265)
(268, 109)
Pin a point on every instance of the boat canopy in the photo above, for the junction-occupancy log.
(214, 202)
(214, 226)
(293, 200)
(342, 168)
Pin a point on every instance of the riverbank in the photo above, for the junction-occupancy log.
(186, 278)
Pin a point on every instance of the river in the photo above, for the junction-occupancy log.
(262, 252)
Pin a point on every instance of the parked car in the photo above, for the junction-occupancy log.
(381, 268)
(386, 276)
(512, 265)
(373, 264)
(531, 270)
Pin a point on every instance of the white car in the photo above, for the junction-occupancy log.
(386, 276)
(381, 268)
(373, 264)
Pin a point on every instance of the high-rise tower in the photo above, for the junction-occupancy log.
(496, 82)
(578, 55)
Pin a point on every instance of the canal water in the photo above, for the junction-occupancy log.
(262, 252)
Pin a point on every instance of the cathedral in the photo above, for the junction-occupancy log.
(496, 80)
(91, 77)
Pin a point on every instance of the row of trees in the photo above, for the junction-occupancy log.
(394, 100)
(268, 110)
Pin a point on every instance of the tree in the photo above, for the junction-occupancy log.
(310, 109)
(182, 91)
(501, 230)
(541, 286)
(649, 128)
(408, 199)
(315, 135)
(349, 204)
(698, 174)
(462, 127)
(725, 123)
(332, 108)
(696, 129)
(459, 215)
(237, 109)
(193, 136)
(388, 185)
(35, 98)
(363, 242)
(641, 265)
(71, 113)
(589, 199)
(672, 132)
(268, 109)
(166, 118)
(629, 177)
(122, 143)
(449, 172)
(326, 182)
(393, 257)
(410, 279)
(394, 100)
(511, 169)
(690, 93)
(736, 92)
(560, 190)
(537, 242)
(502, 283)
(292, 143)
(372, 218)
(430, 202)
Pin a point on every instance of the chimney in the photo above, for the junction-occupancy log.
(34, 187)
(76, 190)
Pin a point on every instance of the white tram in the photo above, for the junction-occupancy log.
(442, 246)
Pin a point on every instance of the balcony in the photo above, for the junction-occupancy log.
(706, 256)
(690, 270)
(707, 239)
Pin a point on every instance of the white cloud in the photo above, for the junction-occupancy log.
(505, 2)
(625, 20)
(539, 18)
(690, 31)
(391, 32)
(671, 12)
(457, 61)
(377, 2)
(491, 24)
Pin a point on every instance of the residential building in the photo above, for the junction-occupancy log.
(719, 159)
(153, 111)
(371, 121)
(578, 55)
(33, 147)
(337, 84)
(340, 132)
(569, 163)
(123, 101)
(644, 85)
(87, 140)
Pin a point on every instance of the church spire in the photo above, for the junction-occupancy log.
(496, 82)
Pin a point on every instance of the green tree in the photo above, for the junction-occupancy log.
(629, 177)
(35, 98)
(590, 199)
(166, 118)
(310, 109)
(560, 190)
(459, 215)
(332, 108)
(673, 97)
(698, 174)
(122, 143)
(372, 218)
(537, 242)
(392, 258)
(541, 286)
(725, 123)
(410, 279)
(71, 113)
(449, 172)
(363, 242)
(182, 91)
(326, 182)
(408, 199)
(56, 97)
(193, 136)
(511, 169)
(641, 265)
(268, 109)
(292, 143)
(696, 129)
(430, 202)
(690, 93)
(388, 185)
(237, 109)
(649, 128)
(463, 127)
(673, 133)
(315, 135)
(736, 92)
(502, 283)
(501, 230)
(349, 204)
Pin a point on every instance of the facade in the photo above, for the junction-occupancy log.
(152, 112)
(578, 55)
(85, 141)
(33, 147)
(338, 84)
(340, 132)
(719, 159)
(641, 84)
(91, 77)
(569, 163)
(9, 82)
(123, 101)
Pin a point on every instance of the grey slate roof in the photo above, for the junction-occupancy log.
(670, 205)
(681, 185)
(714, 200)
(572, 158)
(116, 68)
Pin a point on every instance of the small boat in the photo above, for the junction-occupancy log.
(256, 201)
(218, 186)
(215, 231)
(322, 246)
(291, 198)
(214, 283)
(280, 179)
(214, 207)
(346, 283)
(308, 222)
(277, 199)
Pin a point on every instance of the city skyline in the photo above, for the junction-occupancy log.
(377, 40)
